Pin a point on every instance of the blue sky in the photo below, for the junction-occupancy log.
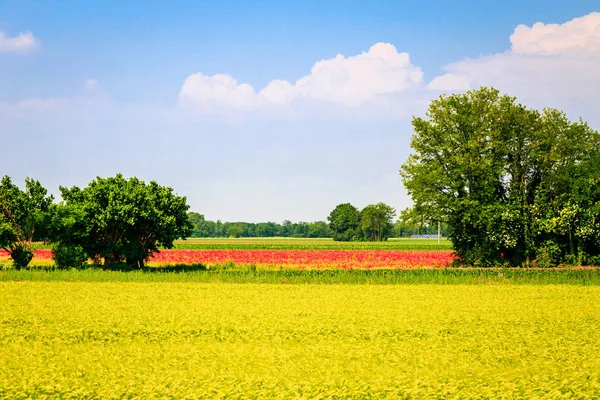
(183, 93)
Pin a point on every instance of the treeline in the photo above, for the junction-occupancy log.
(373, 223)
(203, 228)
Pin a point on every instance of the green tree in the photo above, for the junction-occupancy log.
(301, 230)
(319, 229)
(197, 220)
(21, 214)
(344, 222)
(266, 229)
(376, 222)
(496, 171)
(127, 220)
(237, 229)
(286, 229)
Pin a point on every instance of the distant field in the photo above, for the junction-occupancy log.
(186, 340)
(301, 244)
(310, 244)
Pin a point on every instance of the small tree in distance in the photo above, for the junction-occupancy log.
(376, 222)
(344, 222)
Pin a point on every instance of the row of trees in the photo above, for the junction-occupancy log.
(112, 220)
(373, 223)
(515, 186)
(118, 220)
(203, 228)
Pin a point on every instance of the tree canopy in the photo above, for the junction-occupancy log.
(373, 223)
(515, 185)
(123, 220)
(203, 228)
(376, 222)
(344, 222)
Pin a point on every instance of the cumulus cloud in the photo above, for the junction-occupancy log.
(450, 82)
(347, 81)
(354, 80)
(580, 35)
(548, 65)
(214, 93)
(21, 43)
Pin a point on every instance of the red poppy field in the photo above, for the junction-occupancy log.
(298, 259)
(313, 259)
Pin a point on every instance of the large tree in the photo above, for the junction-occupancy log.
(21, 215)
(499, 174)
(126, 220)
(344, 222)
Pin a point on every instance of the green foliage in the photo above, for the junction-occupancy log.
(376, 222)
(237, 230)
(231, 273)
(506, 179)
(68, 256)
(21, 214)
(21, 255)
(319, 229)
(121, 220)
(203, 228)
(266, 229)
(344, 222)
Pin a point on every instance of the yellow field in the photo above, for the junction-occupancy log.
(129, 339)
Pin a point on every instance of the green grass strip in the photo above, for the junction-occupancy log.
(447, 276)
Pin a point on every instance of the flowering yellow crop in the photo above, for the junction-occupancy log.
(190, 340)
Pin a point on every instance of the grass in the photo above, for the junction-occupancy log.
(302, 244)
(190, 340)
(250, 274)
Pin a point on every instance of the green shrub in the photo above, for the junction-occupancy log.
(68, 256)
(21, 256)
(549, 255)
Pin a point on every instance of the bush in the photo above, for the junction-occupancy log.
(21, 256)
(549, 255)
(68, 256)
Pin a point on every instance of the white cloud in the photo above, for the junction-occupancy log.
(549, 65)
(580, 35)
(347, 81)
(278, 92)
(450, 81)
(21, 43)
(218, 92)
(354, 80)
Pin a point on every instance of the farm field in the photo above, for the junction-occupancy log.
(286, 259)
(301, 244)
(130, 339)
(310, 244)
(292, 254)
